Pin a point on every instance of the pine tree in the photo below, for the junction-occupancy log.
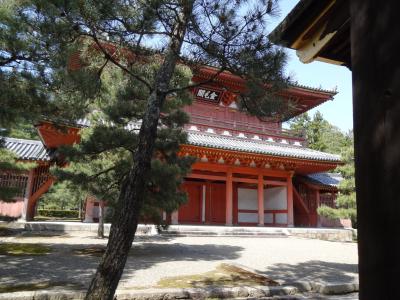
(146, 49)
(320, 134)
(24, 93)
(346, 200)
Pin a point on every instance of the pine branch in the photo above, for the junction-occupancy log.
(115, 62)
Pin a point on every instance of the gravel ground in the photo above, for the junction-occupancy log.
(153, 258)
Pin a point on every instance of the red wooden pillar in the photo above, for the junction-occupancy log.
(260, 196)
(317, 204)
(290, 217)
(229, 197)
(28, 214)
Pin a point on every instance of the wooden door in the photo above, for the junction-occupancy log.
(191, 211)
(216, 203)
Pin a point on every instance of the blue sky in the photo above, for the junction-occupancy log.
(338, 112)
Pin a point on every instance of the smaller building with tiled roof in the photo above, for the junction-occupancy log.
(24, 149)
(29, 184)
(325, 179)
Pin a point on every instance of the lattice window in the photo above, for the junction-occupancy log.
(14, 180)
(327, 199)
(40, 176)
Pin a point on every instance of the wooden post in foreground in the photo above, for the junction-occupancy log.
(375, 45)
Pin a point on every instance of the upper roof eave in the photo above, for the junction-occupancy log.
(295, 22)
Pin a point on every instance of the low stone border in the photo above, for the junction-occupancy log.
(330, 288)
(161, 294)
(330, 234)
(212, 292)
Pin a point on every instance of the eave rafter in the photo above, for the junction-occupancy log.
(227, 157)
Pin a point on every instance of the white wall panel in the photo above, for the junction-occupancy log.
(281, 218)
(275, 198)
(268, 218)
(248, 218)
(247, 199)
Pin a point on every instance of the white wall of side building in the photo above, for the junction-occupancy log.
(247, 200)
(275, 199)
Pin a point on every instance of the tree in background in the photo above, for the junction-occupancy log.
(23, 129)
(320, 134)
(323, 136)
(24, 84)
(63, 195)
(150, 86)
(346, 200)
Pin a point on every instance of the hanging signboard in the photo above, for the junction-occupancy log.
(207, 94)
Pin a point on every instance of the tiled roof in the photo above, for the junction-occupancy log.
(27, 149)
(328, 179)
(243, 144)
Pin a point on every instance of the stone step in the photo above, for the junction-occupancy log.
(236, 234)
(193, 230)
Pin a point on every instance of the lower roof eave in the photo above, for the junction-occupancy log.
(299, 165)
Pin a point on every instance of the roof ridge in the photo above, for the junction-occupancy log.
(260, 142)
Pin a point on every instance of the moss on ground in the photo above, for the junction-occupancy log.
(90, 251)
(18, 249)
(223, 275)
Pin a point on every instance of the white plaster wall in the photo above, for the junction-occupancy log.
(247, 199)
(95, 211)
(275, 198)
(281, 218)
(268, 218)
(248, 217)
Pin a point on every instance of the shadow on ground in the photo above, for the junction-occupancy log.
(63, 264)
(313, 270)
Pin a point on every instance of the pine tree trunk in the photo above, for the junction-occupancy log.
(80, 209)
(130, 201)
(100, 229)
(375, 43)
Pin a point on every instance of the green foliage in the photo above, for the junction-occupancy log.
(8, 162)
(61, 196)
(320, 134)
(70, 214)
(102, 160)
(339, 213)
(23, 130)
(347, 188)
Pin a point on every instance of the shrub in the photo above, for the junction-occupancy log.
(58, 213)
(339, 213)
